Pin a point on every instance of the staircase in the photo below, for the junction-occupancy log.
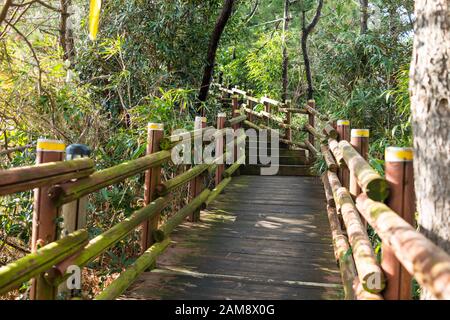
(291, 162)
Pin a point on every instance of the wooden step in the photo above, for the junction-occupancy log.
(285, 160)
(284, 170)
(282, 152)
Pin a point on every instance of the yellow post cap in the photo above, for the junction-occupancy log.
(156, 126)
(397, 154)
(360, 133)
(343, 122)
(50, 145)
(200, 119)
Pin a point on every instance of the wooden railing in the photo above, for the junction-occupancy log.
(356, 194)
(355, 197)
(243, 103)
(59, 184)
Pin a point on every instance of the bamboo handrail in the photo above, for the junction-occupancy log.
(239, 91)
(368, 179)
(337, 153)
(429, 264)
(311, 147)
(330, 131)
(301, 145)
(168, 143)
(167, 228)
(16, 273)
(331, 164)
(236, 120)
(314, 132)
(68, 192)
(126, 278)
(251, 125)
(217, 191)
(46, 174)
(271, 101)
(106, 240)
(341, 247)
(293, 110)
(366, 263)
(316, 113)
(170, 185)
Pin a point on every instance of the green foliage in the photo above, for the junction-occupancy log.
(146, 66)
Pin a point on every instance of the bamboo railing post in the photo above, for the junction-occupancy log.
(45, 216)
(221, 117)
(343, 129)
(288, 121)
(400, 176)
(311, 121)
(152, 179)
(196, 185)
(360, 142)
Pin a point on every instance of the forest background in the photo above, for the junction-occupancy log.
(146, 65)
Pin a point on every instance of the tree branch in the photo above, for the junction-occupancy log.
(6, 5)
(316, 18)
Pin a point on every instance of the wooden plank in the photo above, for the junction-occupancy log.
(284, 170)
(165, 286)
(257, 248)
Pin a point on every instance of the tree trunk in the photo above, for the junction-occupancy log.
(285, 65)
(212, 49)
(430, 94)
(306, 30)
(364, 16)
(4, 12)
(65, 31)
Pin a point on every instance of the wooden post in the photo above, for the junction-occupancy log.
(45, 216)
(234, 105)
(311, 121)
(152, 179)
(343, 129)
(74, 214)
(221, 117)
(360, 142)
(250, 106)
(288, 121)
(196, 185)
(267, 109)
(400, 176)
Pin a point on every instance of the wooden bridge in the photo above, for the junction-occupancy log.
(291, 235)
(253, 242)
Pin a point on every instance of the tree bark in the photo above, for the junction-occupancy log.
(306, 31)
(212, 48)
(430, 94)
(4, 12)
(285, 66)
(65, 31)
(364, 16)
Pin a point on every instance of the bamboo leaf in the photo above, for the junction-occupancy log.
(94, 18)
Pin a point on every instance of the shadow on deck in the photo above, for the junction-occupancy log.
(263, 238)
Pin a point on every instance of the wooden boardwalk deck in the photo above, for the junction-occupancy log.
(263, 238)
